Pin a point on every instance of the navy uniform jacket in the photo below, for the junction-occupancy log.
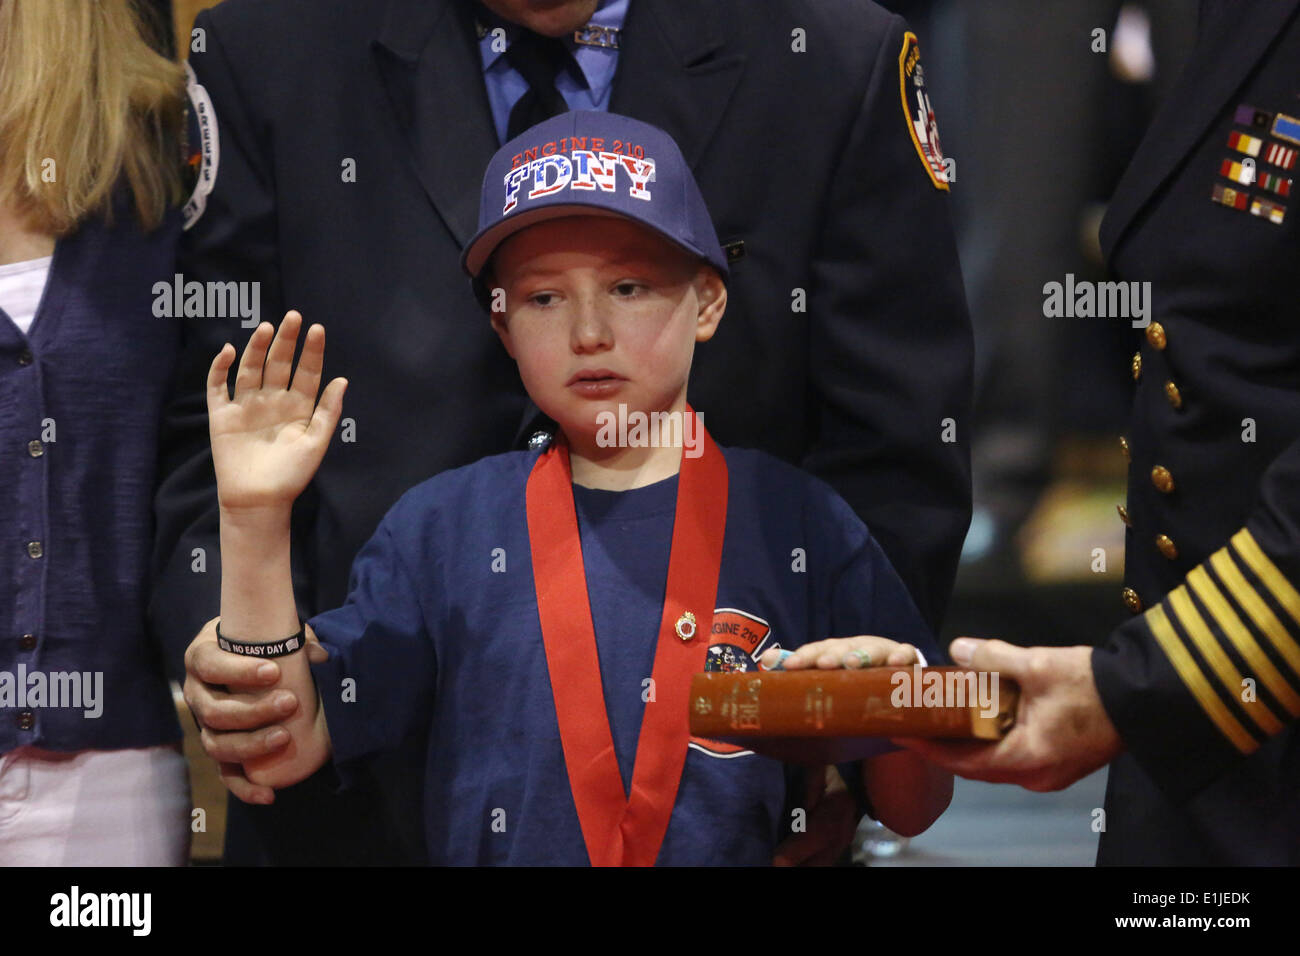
(1203, 683)
(846, 343)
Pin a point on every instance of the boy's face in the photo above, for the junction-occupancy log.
(601, 312)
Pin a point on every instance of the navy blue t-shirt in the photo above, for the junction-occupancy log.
(440, 639)
(626, 540)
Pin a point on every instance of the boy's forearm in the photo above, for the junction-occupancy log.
(257, 602)
(258, 606)
(907, 792)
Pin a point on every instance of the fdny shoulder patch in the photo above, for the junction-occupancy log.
(918, 112)
(202, 148)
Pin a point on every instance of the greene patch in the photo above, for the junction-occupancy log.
(918, 112)
(202, 148)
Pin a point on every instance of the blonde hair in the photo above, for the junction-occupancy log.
(85, 97)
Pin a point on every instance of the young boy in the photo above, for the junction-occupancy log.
(536, 616)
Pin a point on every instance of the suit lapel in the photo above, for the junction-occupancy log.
(675, 73)
(1217, 68)
(430, 68)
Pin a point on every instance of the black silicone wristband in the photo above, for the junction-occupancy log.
(282, 648)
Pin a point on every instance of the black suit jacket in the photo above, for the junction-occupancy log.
(1204, 683)
(845, 345)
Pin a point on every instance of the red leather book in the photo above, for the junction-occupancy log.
(832, 716)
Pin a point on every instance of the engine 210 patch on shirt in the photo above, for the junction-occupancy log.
(918, 112)
(737, 641)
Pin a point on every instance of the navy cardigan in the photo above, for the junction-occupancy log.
(80, 402)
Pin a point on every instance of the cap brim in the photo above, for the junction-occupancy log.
(482, 246)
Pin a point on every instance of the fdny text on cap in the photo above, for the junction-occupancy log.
(587, 170)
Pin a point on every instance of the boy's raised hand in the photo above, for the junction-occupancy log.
(268, 441)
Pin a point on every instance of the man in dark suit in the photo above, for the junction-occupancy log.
(1195, 698)
(351, 138)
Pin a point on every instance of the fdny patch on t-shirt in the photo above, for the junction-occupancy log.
(737, 641)
(918, 112)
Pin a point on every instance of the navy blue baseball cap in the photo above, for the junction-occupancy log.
(585, 163)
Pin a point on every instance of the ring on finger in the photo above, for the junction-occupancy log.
(864, 658)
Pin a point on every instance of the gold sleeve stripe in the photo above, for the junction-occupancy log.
(1243, 640)
(1219, 662)
(1267, 571)
(1261, 614)
(1191, 675)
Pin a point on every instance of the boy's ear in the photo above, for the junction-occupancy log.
(496, 306)
(711, 292)
(502, 330)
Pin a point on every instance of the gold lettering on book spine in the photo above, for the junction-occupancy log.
(817, 705)
(741, 707)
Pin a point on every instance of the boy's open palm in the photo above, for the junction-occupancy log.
(268, 441)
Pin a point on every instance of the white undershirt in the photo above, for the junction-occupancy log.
(21, 287)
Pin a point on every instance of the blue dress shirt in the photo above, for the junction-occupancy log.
(505, 86)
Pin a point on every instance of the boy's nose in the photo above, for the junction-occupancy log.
(590, 330)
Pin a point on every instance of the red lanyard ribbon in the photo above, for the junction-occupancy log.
(629, 831)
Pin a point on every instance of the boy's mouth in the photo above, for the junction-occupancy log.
(593, 375)
(595, 382)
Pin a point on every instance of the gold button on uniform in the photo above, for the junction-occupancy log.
(1165, 545)
(35, 448)
(1131, 600)
(34, 549)
(1137, 365)
(1162, 479)
(1172, 393)
(1123, 446)
(1123, 515)
(1156, 335)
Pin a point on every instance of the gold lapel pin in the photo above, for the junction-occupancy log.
(686, 626)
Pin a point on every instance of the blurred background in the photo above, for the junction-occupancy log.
(1041, 125)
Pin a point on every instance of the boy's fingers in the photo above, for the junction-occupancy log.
(218, 374)
(824, 654)
(311, 363)
(232, 775)
(249, 376)
(236, 746)
(902, 655)
(279, 360)
(326, 417)
(316, 653)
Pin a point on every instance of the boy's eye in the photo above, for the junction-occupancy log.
(626, 289)
(542, 299)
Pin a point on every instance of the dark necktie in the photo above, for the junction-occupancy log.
(538, 60)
